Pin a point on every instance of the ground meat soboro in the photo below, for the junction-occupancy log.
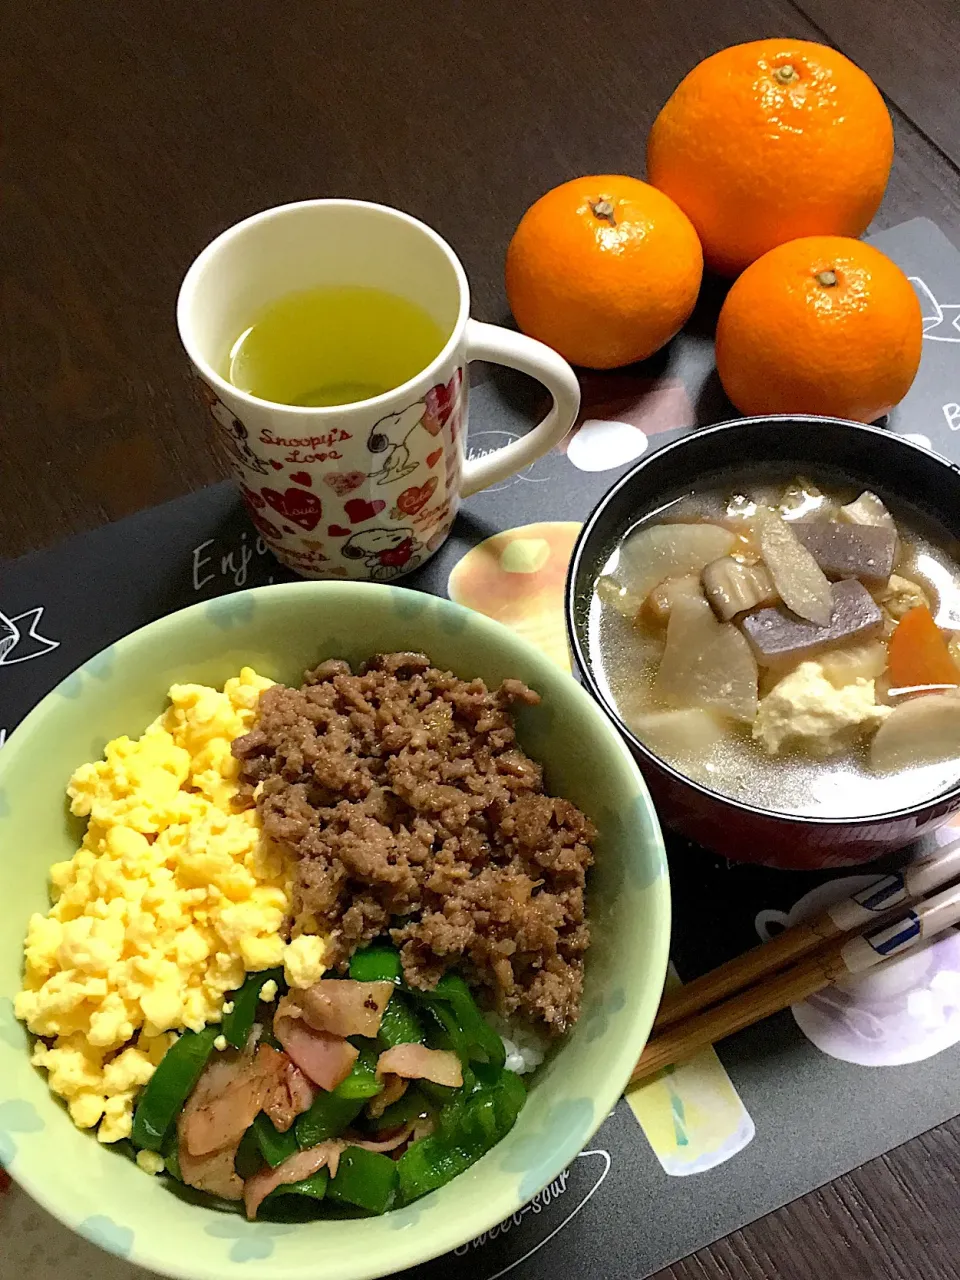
(410, 809)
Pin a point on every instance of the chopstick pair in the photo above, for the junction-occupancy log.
(806, 958)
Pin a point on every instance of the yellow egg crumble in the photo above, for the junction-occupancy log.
(171, 898)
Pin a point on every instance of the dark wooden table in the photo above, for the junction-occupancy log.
(133, 131)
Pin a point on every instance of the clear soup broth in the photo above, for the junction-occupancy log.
(747, 634)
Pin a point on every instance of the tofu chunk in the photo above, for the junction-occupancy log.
(805, 711)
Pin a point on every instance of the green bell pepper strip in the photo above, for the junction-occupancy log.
(378, 963)
(399, 1025)
(468, 1128)
(170, 1086)
(484, 1042)
(171, 1155)
(331, 1113)
(328, 1116)
(430, 1163)
(274, 1146)
(365, 1179)
(238, 1023)
(314, 1187)
(363, 1081)
(440, 1094)
(248, 1159)
(455, 1022)
(443, 1027)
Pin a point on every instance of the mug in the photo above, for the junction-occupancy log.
(369, 489)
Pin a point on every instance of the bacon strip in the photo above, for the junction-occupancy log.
(396, 1139)
(345, 1007)
(416, 1062)
(233, 1097)
(303, 1164)
(291, 1095)
(325, 1059)
(213, 1173)
(393, 1090)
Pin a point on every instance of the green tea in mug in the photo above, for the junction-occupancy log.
(332, 345)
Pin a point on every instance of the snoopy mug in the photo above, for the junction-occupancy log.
(367, 489)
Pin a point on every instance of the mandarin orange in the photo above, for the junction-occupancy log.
(823, 325)
(768, 141)
(604, 269)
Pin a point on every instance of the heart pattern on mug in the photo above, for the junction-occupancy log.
(344, 482)
(440, 403)
(338, 531)
(434, 458)
(416, 497)
(277, 466)
(300, 508)
(359, 509)
(304, 478)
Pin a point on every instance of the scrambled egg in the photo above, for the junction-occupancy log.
(303, 961)
(807, 710)
(171, 898)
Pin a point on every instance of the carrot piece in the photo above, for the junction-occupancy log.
(918, 652)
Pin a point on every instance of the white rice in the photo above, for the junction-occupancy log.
(525, 1047)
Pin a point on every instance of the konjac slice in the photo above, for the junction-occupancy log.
(706, 664)
(801, 583)
(778, 638)
(669, 551)
(866, 552)
(925, 730)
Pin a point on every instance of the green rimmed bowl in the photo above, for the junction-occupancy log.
(280, 631)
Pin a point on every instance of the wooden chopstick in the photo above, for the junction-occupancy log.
(865, 907)
(760, 962)
(838, 958)
(684, 1039)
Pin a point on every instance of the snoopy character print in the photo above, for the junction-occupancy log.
(388, 440)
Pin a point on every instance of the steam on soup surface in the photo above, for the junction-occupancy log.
(794, 645)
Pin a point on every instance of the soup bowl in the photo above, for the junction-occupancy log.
(280, 631)
(870, 457)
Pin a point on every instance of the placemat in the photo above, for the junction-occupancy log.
(706, 1147)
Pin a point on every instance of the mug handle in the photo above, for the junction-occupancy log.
(503, 346)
